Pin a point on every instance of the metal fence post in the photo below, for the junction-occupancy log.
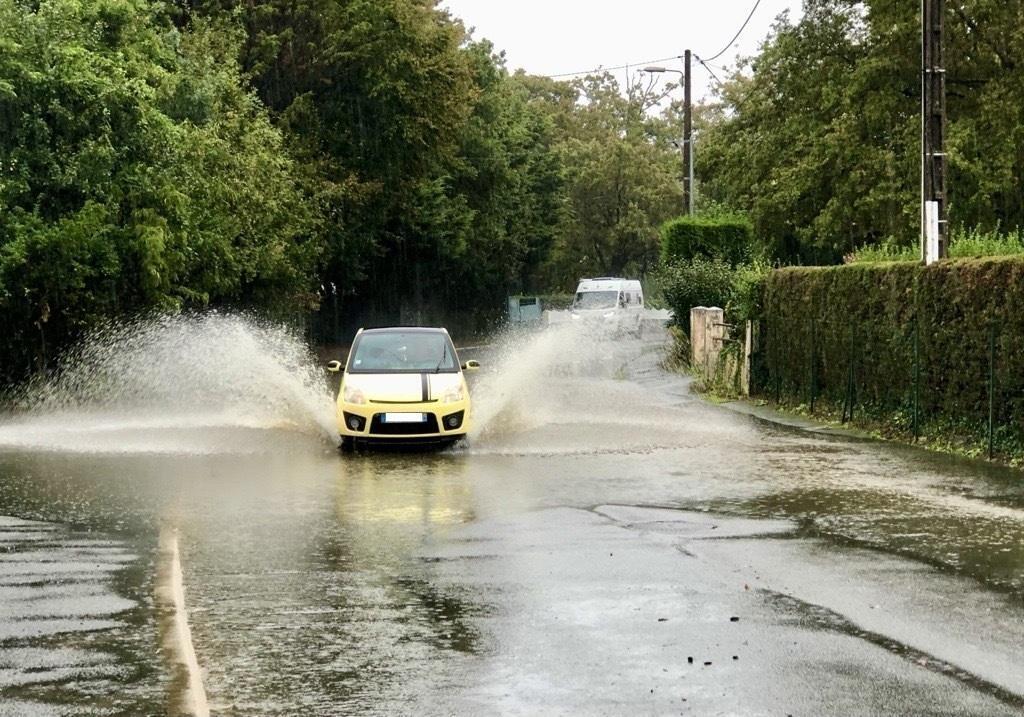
(917, 380)
(780, 363)
(814, 362)
(991, 387)
(850, 395)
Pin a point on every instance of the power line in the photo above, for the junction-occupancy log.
(708, 68)
(640, 63)
(737, 35)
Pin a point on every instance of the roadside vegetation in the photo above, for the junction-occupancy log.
(338, 162)
(816, 137)
(366, 157)
(963, 245)
(929, 353)
(711, 259)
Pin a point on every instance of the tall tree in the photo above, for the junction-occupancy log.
(817, 137)
(623, 181)
(135, 172)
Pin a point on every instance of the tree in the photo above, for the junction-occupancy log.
(135, 172)
(623, 181)
(817, 136)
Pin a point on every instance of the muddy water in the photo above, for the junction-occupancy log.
(401, 584)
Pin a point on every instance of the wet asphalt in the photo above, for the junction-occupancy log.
(611, 544)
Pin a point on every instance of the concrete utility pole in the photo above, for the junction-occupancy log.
(934, 190)
(687, 136)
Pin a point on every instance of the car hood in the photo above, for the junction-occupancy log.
(402, 387)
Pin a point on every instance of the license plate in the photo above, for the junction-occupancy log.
(405, 418)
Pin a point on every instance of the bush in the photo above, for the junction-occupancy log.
(713, 282)
(727, 238)
(964, 244)
(699, 282)
(886, 251)
(976, 244)
(746, 302)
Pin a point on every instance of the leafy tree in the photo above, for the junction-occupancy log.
(431, 161)
(623, 181)
(817, 137)
(813, 143)
(135, 172)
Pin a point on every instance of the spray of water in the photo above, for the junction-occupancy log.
(522, 364)
(190, 383)
(563, 372)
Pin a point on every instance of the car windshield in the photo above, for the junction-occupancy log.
(595, 300)
(397, 352)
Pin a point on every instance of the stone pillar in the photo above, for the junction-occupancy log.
(715, 335)
(697, 331)
(707, 336)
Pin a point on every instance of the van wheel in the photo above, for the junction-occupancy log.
(348, 444)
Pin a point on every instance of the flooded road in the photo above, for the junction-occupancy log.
(607, 543)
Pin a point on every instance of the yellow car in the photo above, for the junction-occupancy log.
(402, 386)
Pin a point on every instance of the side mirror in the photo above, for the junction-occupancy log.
(471, 365)
(334, 366)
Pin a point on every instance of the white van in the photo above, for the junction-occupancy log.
(617, 303)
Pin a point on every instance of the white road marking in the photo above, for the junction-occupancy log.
(178, 639)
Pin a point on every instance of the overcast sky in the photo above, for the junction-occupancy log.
(549, 37)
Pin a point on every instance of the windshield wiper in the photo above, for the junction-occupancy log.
(444, 355)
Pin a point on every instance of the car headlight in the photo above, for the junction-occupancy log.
(353, 395)
(453, 394)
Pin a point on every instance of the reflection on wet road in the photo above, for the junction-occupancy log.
(608, 543)
(69, 632)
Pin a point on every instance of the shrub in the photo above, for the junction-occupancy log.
(886, 251)
(964, 244)
(698, 282)
(746, 302)
(713, 282)
(727, 238)
(976, 243)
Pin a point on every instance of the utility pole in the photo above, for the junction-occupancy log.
(934, 190)
(687, 136)
(687, 148)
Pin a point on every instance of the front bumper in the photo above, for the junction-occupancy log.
(368, 421)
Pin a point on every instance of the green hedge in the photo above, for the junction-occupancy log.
(725, 238)
(700, 282)
(827, 330)
(713, 282)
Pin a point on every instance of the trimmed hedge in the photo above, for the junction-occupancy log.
(832, 328)
(725, 238)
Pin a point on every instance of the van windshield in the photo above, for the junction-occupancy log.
(402, 352)
(596, 300)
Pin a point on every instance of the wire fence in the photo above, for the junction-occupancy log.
(880, 371)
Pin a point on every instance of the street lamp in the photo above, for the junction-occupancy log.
(687, 131)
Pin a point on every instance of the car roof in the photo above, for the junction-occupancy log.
(405, 330)
(607, 284)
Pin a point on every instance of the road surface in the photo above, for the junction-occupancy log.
(610, 544)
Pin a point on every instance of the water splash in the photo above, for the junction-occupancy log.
(189, 383)
(537, 377)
